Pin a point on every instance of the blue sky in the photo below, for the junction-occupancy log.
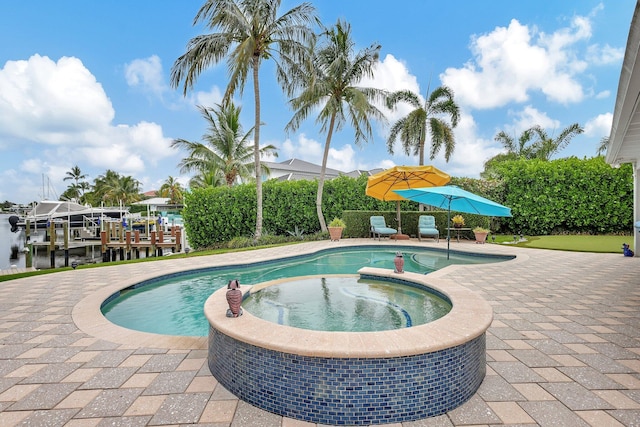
(87, 83)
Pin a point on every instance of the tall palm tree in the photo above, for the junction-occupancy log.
(225, 148)
(425, 118)
(75, 190)
(172, 189)
(328, 80)
(246, 32)
(545, 146)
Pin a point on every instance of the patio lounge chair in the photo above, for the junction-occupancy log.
(379, 227)
(427, 227)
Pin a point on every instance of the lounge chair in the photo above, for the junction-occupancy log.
(427, 227)
(379, 227)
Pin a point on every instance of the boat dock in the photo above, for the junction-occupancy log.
(116, 242)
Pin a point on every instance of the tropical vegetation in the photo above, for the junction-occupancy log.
(245, 33)
(436, 118)
(533, 143)
(172, 190)
(546, 197)
(226, 149)
(328, 79)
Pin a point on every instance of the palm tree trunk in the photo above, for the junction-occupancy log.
(421, 159)
(325, 157)
(256, 147)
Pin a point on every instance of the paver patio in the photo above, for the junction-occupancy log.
(563, 349)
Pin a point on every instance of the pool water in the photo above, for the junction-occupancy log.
(173, 305)
(347, 304)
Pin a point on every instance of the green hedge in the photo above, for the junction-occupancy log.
(561, 196)
(568, 196)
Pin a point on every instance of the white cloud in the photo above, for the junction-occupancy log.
(510, 63)
(146, 74)
(392, 75)
(530, 116)
(599, 126)
(470, 152)
(61, 105)
(209, 99)
(46, 101)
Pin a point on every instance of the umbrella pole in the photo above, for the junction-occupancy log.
(398, 217)
(448, 228)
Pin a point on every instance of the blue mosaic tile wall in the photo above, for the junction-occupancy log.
(346, 391)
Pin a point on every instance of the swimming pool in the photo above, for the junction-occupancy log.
(173, 305)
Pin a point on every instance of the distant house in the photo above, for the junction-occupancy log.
(159, 204)
(295, 169)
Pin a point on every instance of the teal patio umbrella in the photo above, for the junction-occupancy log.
(454, 198)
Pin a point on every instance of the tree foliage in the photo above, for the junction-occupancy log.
(426, 119)
(245, 33)
(560, 196)
(567, 195)
(329, 79)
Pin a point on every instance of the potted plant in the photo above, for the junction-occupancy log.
(481, 234)
(335, 228)
(458, 221)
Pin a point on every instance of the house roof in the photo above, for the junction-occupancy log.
(302, 167)
(624, 140)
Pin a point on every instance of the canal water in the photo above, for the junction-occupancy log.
(7, 241)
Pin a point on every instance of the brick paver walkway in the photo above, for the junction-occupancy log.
(563, 349)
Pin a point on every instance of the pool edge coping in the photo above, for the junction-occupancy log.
(88, 318)
(469, 318)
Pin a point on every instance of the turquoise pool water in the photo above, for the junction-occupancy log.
(173, 305)
(346, 304)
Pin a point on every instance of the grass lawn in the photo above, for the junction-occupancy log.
(577, 243)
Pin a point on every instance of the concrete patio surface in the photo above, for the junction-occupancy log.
(563, 348)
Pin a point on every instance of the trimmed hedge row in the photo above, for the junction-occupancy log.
(566, 195)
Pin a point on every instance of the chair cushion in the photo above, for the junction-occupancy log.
(378, 225)
(385, 230)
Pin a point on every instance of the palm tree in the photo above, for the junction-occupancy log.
(172, 189)
(516, 149)
(328, 79)
(75, 190)
(545, 147)
(425, 118)
(114, 189)
(207, 178)
(226, 147)
(603, 146)
(246, 32)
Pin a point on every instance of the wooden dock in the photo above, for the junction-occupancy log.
(116, 243)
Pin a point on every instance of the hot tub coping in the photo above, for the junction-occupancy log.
(469, 318)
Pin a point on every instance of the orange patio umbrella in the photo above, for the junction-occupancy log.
(382, 184)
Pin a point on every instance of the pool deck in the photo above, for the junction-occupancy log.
(563, 348)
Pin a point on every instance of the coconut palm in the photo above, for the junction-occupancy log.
(516, 149)
(225, 148)
(173, 190)
(112, 188)
(603, 146)
(545, 146)
(328, 80)
(246, 32)
(207, 178)
(426, 118)
(77, 189)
